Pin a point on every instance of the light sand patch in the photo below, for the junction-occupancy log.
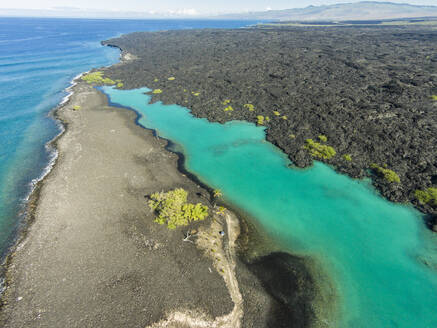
(221, 250)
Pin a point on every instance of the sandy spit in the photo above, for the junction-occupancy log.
(93, 256)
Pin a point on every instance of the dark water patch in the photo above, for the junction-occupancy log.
(288, 282)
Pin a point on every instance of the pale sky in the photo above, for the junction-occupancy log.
(185, 6)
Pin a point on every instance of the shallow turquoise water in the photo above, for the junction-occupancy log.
(373, 251)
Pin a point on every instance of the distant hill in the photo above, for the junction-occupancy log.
(365, 10)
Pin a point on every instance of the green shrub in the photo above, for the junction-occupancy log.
(157, 91)
(120, 84)
(226, 101)
(228, 109)
(217, 193)
(276, 113)
(77, 107)
(434, 97)
(318, 150)
(221, 210)
(427, 196)
(172, 208)
(347, 157)
(250, 107)
(389, 175)
(323, 138)
(196, 94)
(284, 117)
(260, 120)
(171, 78)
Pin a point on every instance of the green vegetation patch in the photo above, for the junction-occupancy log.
(347, 157)
(77, 107)
(318, 150)
(260, 120)
(228, 109)
(97, 78)
(226, 101)
(171, 78)
(427, 196)
(120, 84)
(172, 208)
(389, 175)
(434, 97)
(157, 91)
(250, 107)
(276, 113)
(323, 138)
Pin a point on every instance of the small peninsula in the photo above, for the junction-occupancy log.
(360, 98)
(94, 254)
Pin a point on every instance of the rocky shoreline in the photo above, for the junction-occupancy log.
(367, 92)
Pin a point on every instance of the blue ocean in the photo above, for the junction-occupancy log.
(38, 59)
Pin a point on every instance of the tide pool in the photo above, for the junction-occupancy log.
(378, 255)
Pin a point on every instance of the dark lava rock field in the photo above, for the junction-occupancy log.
(369, 90)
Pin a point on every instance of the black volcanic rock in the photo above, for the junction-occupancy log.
(367, 89)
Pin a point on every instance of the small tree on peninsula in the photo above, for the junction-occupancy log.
(172, 208)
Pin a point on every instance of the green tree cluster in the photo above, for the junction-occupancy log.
(318, 150)
(389, 175)
(97, 78)
(427, 196)
(172, 208)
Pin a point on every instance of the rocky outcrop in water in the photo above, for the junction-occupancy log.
(365, 92)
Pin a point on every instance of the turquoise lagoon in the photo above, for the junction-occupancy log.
(378, 255)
